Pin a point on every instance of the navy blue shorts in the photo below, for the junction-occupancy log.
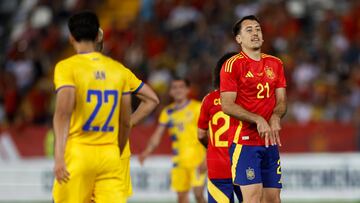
(255, 164)
(222, 191)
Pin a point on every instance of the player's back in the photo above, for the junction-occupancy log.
(99, 83)
(217, 123)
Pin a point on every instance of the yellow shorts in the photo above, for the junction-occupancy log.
(183, 179)
(95, 174)
(125, 173)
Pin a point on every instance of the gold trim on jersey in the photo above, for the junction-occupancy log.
(237, 132)
(229, 63)
(235, 159)
(211, 133)
(216, 193)
(270, 56)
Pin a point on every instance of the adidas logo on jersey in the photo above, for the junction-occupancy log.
(249, 74)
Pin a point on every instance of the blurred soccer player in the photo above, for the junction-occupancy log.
(91, 120)
(215, 123)
(181, 119)
(253, 92)
(148, 102)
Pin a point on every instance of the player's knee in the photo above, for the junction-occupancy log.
(182, 197)
(253, 196)
(199, 197)
(271, 199)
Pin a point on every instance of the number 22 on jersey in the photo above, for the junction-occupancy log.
(99, 97)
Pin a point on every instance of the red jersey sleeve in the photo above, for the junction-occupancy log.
(228, 81)
(203, 122)
(281, 80)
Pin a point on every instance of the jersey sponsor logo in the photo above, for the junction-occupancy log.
(249, 74)
(250, 173)
(269, 72)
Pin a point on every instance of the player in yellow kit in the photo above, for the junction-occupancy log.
(92, 119)
(148, 102)
(180, 118)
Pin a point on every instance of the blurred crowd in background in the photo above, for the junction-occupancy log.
(318, 41)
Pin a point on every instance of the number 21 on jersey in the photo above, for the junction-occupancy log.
(264, 90)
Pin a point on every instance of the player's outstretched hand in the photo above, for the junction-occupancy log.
(142, 158)
(60, 171)
(265, 131)
(275, 128)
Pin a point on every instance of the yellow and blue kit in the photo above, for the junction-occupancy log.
(188, 153)
(92, 154)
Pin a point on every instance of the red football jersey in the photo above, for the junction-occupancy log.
(255, 83)
(217, 123)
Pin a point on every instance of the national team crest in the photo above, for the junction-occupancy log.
(250, 173)
(269, 72)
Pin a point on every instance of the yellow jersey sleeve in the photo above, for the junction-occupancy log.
(164, 117)
(63, 76)
(135, 83)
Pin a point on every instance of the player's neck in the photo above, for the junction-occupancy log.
(181, 103)
(253, 54)
(84, 47)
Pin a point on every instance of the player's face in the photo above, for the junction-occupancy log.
(179, 90)
(250, 35)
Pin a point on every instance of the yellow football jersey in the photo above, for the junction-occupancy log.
(99, 83)
(182, 124)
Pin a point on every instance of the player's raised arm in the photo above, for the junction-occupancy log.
(65, 101)
(125, 126)
(153, 143)
(149, 101)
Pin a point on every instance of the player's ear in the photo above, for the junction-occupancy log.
(71, 39)
(100, 36)
(238, 39)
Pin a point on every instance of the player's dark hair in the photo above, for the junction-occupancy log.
(186, 81)
(237, 25)
(84, 26)
(217, 69)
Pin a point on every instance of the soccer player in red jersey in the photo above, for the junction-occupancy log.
(253, 92)
(214, 121)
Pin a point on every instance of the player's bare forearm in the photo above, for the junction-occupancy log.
(230, 108)
(155, 140)
(203, 138)
(281, 102)
(125, 125)
(65, 101)
(61, 129)
(153, 143)
(149, 101)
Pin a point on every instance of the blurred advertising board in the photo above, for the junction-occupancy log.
(308, 177)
